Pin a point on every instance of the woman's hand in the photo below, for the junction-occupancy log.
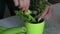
(22, 4)
(47, 13)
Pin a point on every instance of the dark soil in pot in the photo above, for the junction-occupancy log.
(37, 21)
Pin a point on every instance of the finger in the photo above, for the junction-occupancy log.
(21, 4)
(27, 6)
(24, 5)
(23, 9)
(49, 15)
(16, 2)
(44, 13)
(26, 9)
(51, 9)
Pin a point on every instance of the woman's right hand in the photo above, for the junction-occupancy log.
(22, 4)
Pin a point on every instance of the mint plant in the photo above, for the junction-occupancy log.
(36, 8)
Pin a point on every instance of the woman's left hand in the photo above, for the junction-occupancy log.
(47, 13)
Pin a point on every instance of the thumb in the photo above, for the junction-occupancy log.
(44, 13)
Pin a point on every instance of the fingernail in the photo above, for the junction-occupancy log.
(39, 19)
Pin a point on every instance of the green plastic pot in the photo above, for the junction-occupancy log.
(34, 28)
